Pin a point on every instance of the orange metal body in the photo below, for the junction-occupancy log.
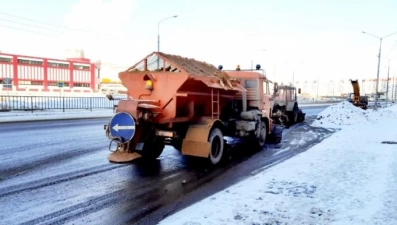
(183, 98)
(178, 96)
(357, 100)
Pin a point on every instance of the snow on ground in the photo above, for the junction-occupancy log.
(348, 178)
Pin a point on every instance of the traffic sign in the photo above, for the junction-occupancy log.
(122, 125)
(60, 84)
(7, 83)
(7, 80)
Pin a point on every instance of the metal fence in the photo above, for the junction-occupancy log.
(32, 103)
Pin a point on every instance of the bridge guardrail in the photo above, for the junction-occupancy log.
(32, 103)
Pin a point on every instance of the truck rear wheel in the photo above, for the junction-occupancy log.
(217, 146)
(152, 149)
(301, 116)
(293, 116)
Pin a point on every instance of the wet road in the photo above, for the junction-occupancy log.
(56, 172)
(312, 110)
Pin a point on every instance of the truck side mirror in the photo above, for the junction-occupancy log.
(275, 87)
(110, 97)
(299, 90)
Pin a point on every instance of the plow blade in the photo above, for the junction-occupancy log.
(123, 156)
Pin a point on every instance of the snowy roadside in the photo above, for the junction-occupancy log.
(349, 178)
(19, 116)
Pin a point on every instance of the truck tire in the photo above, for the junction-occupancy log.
(177, 144)
(261, 140)
(152, 149)
(217, 146)
(293, 116)
(301, 117)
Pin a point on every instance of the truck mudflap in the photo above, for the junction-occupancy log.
(120, 156)
(196, 142)
(276, 134)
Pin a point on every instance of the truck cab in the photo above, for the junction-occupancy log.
(257, 86)
(258, 96)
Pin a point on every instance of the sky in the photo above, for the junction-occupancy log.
(348, 178)
(300, 40)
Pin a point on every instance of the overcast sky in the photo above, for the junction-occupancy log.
(306, 38)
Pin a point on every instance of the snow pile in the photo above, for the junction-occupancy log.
(341, 114)
(345, 114)
(386, 113)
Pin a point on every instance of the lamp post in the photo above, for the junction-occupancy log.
(393, 93)
(254, 52)
(294, 65)
(158, 30)
(377, 75)
(387, 83)
(158, 37)
(318, 83)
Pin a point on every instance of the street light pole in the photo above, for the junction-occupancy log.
(377, 77)
(293, 77)
(158, 37)
(158, 30)
(393, 93)
(254, 52)
(387, 83)
(318, 83)
(377, 74)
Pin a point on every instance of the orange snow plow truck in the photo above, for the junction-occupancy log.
(190, 105)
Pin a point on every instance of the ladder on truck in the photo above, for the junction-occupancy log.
(215, 103)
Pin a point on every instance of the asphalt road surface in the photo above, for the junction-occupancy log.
(56, 172)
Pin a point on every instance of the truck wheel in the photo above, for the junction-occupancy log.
(217, 146)
(301, 117)
(293, 118)
(152, 149)
(261, 140)
(177, 144)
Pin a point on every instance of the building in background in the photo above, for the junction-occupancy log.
(29, 75)
(326, 88)
(386, 87)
